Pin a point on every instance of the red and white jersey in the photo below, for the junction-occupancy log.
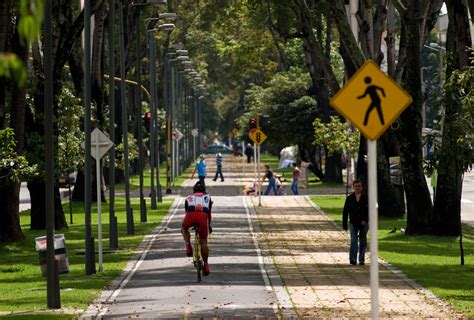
(198, 202)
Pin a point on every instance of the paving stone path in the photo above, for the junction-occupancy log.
(311, 256)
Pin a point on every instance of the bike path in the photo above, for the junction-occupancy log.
(164, 282)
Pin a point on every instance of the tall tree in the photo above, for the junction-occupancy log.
(447, 207)
(68, 25)
(14, 40)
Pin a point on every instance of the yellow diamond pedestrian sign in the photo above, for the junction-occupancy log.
(258, 136)
(371, 100)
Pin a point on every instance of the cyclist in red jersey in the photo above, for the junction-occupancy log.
(198, 212)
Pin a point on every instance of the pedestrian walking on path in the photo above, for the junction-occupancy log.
(219, 167)
(296, 178)
(356, 208)
(271, 181)
(249, 152)
(201, 169)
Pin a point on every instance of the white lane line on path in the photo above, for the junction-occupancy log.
(270, 276)
(135, 262)
(257, 248)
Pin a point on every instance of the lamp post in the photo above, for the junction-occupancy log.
(128, 209)
(168, 89)
(52, 277)
(154, 139)
(113, 236)
(138, 102)
(89, 241)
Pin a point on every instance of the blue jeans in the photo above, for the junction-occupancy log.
(294, 187)
(271, 185)
(358, 242)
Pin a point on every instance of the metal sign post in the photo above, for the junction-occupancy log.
(258, 175)
(371, 100)
(258, 137)
(194, 133)
(100, 144)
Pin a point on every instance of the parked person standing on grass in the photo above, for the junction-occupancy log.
(201, 169)
(356, 208)
(271, 181)
(219, 167)
(296, 178)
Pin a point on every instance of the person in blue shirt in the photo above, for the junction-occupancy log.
(201, 169)
(219, 167)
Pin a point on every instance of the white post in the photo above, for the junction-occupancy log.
(194, 148)
(373, 225)
(258, 174)
(243, 159)
(255, 161)
(99, 203)
(174, 160)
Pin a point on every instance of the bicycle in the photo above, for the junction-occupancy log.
(197, 256)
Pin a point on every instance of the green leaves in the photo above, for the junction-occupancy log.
(336, 135)
(12, 166)
(31, 18)
(10, 64)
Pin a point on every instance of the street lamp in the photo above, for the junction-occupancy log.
(154, 141)
(143, 215)
(168, 88)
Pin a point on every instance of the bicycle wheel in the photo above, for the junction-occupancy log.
(197, 256)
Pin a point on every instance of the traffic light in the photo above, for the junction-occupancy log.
(252, 123)
(264, 121)
(146, 120)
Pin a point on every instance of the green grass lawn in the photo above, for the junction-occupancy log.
(434, 262)
(24, 289)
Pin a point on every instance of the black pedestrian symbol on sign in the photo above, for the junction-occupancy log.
(375, 101)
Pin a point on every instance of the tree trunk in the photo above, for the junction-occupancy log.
(390, 196)
(447, 206)
(333, 168)
(10, 229)
(310, 155)
(419, 207)
(37, 213)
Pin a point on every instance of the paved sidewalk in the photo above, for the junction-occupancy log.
(311, 256)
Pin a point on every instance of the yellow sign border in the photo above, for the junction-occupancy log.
(397, 114)
(255, 133)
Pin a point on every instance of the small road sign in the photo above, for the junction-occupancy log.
(194, 132)
(371, 100)
(258, 136)
(177, 135)
(98, 137)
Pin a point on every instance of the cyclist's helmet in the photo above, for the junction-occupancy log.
(199, 187)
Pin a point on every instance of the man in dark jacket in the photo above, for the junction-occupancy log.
(356, 208)
(249, 152)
